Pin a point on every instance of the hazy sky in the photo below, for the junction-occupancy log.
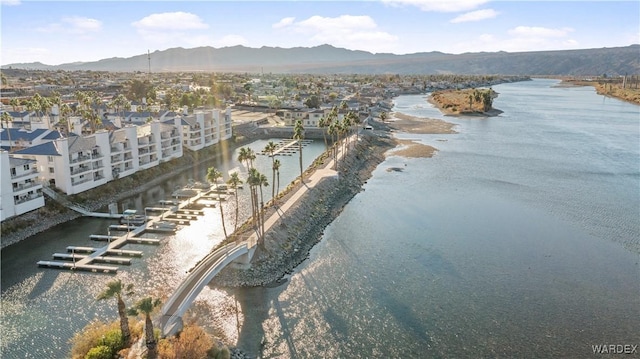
(55, 32)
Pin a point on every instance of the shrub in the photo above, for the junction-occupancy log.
(97, 334)
(99, 352)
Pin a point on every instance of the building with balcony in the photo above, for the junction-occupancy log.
(20, 190)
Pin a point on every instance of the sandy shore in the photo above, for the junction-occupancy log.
(422, 125)
(413, 149)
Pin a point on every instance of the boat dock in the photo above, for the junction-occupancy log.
(286, 147)
(163, 221)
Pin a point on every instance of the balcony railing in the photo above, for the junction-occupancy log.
(30, 172)
(27, 198)
(80, 158)
(80, 170)
(23, 186)
(80, 181)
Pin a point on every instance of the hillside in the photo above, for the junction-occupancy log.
(328, 59)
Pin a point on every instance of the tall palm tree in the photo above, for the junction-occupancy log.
(234, 181)
(6, 118)
(213, 175)
(254, 181)
(146, 306)
(276, 168)
(298, 135)
(65, 111)
(323, 124)
(262, 182)
(270, 148)
(115, 289)
(15, 103)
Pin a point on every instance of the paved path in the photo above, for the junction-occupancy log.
(210, 265)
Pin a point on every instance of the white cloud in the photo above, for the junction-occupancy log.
(10, 2)
(535, 31)
(230, 40)
(348, 31)
(475, 16)
(283, 23)
(170, 21)
(82, 24)
(75, 25)
(439, 5)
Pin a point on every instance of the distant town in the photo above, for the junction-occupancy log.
(72, 131)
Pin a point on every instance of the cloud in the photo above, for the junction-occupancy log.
(230, 40)
(10, 2)
(25, 54)
(535, 31)
(75, 25)
(283, 23)
(521, 38)
(475, 16)
(348, 31)
(82, 24)
(170, 21)
(438, 5)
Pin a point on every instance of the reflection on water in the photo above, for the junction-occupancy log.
(510, 242)
(43, 308)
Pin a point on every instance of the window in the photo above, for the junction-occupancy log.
(51, 170)
(50, 159)
(13, 171)
(25, 167)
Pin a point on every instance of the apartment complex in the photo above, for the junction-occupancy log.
(77, 163)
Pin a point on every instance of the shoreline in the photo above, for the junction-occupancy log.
(289, 242)
(448, 109)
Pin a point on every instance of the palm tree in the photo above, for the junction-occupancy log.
(276, 168)
(146, 306)
(270, 148)
(213, 175)
(6, 118)
(115, 289)
(298, 135)
(65, 111)
(15, 103)
(234, 181)
(262, 181)
(323, 124)
(254, 180)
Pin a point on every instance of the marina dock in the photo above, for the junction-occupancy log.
(163, 221)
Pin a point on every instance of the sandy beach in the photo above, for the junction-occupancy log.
(418, 125)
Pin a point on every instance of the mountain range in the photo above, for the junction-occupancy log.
(613, 61)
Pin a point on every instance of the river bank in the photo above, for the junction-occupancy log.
(289, 241)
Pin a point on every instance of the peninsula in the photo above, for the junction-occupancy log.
(465, 102)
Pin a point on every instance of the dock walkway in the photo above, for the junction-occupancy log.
(86, 262)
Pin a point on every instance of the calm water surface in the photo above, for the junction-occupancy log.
(43, 308)
(518, 239)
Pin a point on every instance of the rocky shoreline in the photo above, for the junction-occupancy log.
(290, 241)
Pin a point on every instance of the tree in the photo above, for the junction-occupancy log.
(270, 148)
(146, 306)
(312, 102)
(235, 181)
(276, 168)
(213, 175)
(253, 180)
(6, 118)
(262, 182)
(65, 111)
(298, 135)
(383, 116)
(115, 289)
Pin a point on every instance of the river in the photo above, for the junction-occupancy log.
(519, 238)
